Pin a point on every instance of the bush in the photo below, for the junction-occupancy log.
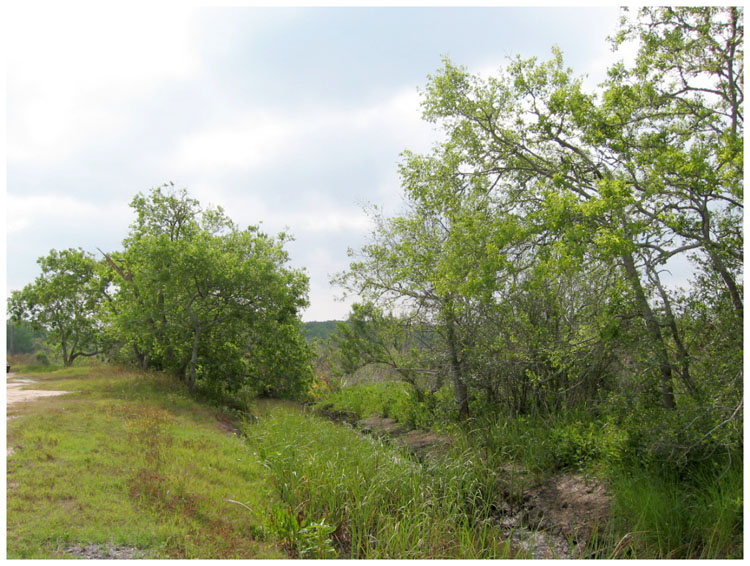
(42, 359)
(585, 445)
(384, 399)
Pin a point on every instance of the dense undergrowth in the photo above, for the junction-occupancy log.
(353, 496)
(662, 507)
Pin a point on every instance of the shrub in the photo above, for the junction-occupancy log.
(584, 445)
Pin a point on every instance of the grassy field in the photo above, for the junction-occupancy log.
(127, 464)
(128, 461)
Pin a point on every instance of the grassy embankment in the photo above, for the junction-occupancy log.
(129, 460)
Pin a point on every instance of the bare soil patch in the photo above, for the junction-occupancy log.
(420, 442)
(16, 395)
(570, 505)
(335, 415)
(103, 552)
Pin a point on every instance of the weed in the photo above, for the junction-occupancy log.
(302, 537)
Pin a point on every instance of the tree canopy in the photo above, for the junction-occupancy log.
(63, 301)
(198, 296)
(538, 233)
(190, 293)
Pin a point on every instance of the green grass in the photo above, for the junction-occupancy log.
(356, 497)
(383, 399)
(657, 511)
(129, 459)
(672, 517)
(393, 399)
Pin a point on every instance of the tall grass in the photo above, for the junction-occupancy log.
(393, 399)
(668, 516)
(374, 500)
(658, 510)
(383, 399)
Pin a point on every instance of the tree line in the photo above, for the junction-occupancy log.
(526, 273)
(528, 268)
(190, 293)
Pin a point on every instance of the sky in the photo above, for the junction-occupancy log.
(293, 118)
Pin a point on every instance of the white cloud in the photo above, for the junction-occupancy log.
(268, 138)
(72, 68)
(40, 222)
(325, 304)
(43, 211)
(315, 214)
(244, 144)
(596, 69)
(325, 300)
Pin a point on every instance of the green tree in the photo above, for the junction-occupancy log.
(422, 261)
(23, 338)
(538, 178)
(64, 301)
(197, 296)
(676, 122)
(582, 171)
(370, 336)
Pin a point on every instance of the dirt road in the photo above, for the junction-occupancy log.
(18, 395)
(15, 395)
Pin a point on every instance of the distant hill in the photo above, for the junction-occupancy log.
(319, 329)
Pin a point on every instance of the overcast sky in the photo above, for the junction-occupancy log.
(293, 117)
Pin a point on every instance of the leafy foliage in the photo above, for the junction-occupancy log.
(63, 302)
(190, 293)
(319, 330)
(536, 237)
(213, 303)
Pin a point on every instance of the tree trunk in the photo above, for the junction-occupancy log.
(140, 357)
(66, 361)
(193, 360)
(730, 283)
(718, 264)
(653, 329)
(459, 385)
(682, 354)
